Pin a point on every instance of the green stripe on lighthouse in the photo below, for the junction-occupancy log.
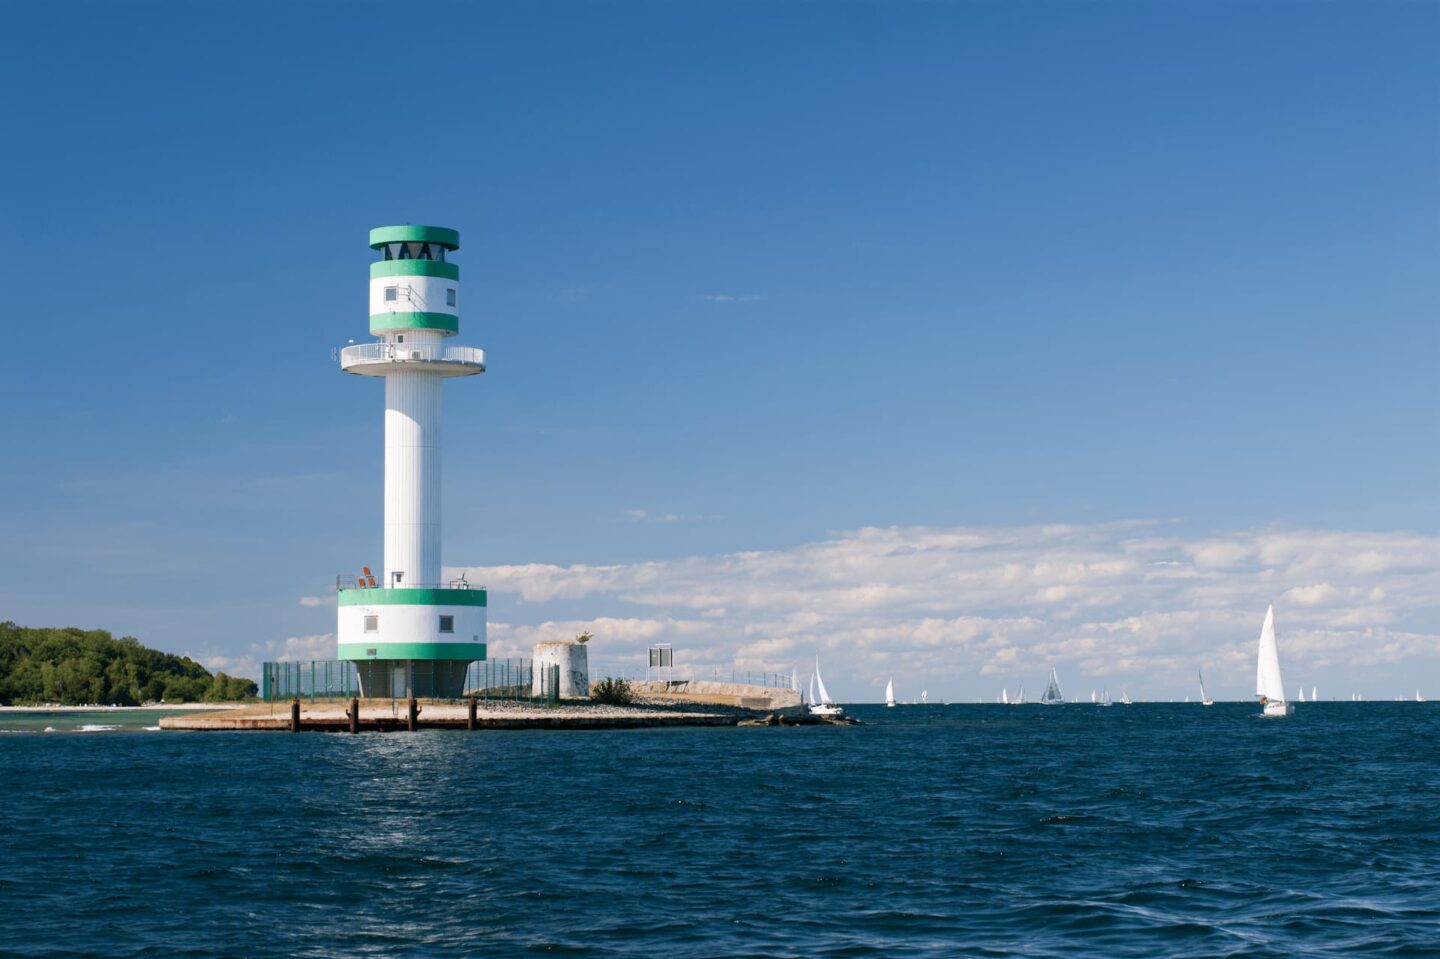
(392, 651)
(444, 322)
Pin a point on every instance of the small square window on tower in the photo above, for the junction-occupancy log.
(447, 624)
(450, 297)
(372, 624)
(391, 294)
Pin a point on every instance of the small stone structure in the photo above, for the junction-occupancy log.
(574, 668)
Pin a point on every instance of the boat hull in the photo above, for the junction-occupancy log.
(1277, 710)
(825, 709)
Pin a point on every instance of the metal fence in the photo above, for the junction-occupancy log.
(512, 679)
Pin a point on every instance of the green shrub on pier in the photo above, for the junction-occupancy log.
(78, 667)
(612, 692)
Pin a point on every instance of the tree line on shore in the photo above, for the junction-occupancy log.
(83, 666)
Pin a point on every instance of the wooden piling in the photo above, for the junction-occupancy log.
(354, 714)
(413, 718)
(471, 723)
(295, 715)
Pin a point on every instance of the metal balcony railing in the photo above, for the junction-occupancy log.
(362, 353)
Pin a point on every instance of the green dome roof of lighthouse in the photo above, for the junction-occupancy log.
(381, 235)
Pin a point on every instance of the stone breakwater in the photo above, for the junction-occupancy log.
(393, 715)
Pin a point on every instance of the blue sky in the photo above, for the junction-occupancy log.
(751, 278)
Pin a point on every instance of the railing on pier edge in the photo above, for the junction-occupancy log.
(499, 679)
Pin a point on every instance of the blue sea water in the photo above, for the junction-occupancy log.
(1150, 830)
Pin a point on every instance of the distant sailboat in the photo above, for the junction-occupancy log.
(1052, 695)
(825, 706)
(1005, 696)
(1019, 699)
(1418, 697)
(1104, 698)
(924, 696)
(1268, 684)
(1205, 699)
(1092, 696)
(1301, 697)
(890, 692)
(1314, 695)
(1124, 698)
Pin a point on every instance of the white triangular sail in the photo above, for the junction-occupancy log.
(1301, 697)
(1314, 694)
(1092, 695)
(820, 682)
(1204, 696)
(1052, 691)
(1267, 666)
(1005, 696)
(812, 688)
(890, 692)
(924, 696)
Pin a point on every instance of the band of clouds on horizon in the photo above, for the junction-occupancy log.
(1104, 599)
(1000, 603)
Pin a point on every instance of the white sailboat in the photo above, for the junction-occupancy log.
(1019, 699)
(890, 692)
(1418, 697)
(1052, 695)
(1092, 696)
(924, 696)
(1314, 694)
(1105, 698)
(825, 706)
(1205, 699)
(1005, 696)
(1268, 684)
(1301, 697)
(1124, 698)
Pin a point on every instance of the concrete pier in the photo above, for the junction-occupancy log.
(724, 705)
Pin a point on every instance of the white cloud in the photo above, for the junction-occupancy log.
(730, 298)
(313, 601)
(971, 608)
(295, 649)
(649, 516)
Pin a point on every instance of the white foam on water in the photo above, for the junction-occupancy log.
(95, 729)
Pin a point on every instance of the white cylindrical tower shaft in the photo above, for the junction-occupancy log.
(412, 477)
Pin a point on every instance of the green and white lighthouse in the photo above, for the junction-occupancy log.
(408, 632)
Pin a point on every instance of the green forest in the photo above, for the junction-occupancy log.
(83, 666)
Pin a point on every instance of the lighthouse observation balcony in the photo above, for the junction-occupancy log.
(377, 359)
